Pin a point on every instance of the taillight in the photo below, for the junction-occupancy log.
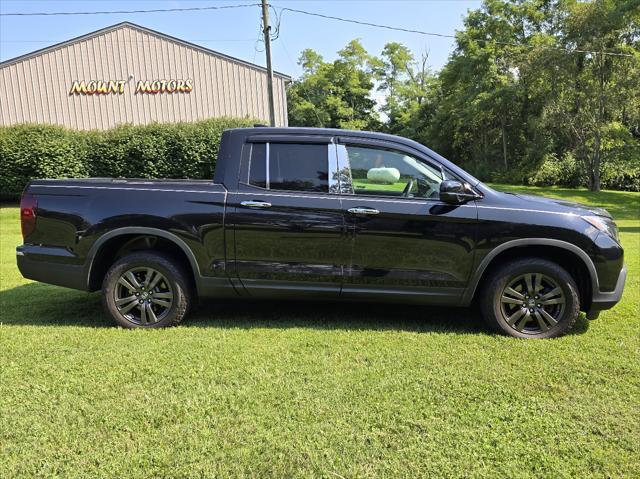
(28, 205)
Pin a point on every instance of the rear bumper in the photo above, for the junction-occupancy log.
(51, 265)
(607, 300)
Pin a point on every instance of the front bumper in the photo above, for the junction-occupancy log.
(51, 265)
(607, 300)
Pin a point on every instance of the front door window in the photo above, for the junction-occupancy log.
(386, 172)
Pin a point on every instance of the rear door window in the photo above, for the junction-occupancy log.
(290, 166)
(298, 167)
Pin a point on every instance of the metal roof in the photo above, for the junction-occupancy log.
(160, 35)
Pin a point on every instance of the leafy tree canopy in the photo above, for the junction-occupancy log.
(530, 83)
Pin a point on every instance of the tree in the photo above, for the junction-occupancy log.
(484, 90)
(533, 78)
(596, 89)
(530, 83)
(407, 85)
(335, 94)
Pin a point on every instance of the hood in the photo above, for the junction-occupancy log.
(542, 203)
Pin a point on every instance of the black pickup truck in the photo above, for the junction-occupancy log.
(323, 214)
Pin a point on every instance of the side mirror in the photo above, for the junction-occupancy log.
(455, 192)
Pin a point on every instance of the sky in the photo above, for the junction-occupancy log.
(235, 32)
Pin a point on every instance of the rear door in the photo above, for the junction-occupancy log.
(289, 232)
(406, 243)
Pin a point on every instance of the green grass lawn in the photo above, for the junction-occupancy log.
(315, 390)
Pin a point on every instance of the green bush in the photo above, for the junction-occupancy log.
(621, 159)
(619, 167)
(39, 151)
(564, 171)
(621, 176)
(176, 150)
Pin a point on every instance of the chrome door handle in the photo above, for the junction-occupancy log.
(363, 211)
(256, 204)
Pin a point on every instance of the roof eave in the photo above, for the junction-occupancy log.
(150, 31)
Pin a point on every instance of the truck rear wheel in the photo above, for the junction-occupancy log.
(146, 290)
(531, 298)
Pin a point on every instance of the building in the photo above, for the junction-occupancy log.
(130, 74)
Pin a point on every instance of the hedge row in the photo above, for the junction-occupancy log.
(177, 150)
(189, 150)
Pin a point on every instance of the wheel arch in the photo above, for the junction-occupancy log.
(567, 255)
(102, 245)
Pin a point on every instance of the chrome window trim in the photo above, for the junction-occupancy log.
(302, 194)
(345, 179)
(332, 170)
(400, 199)
(266, 159)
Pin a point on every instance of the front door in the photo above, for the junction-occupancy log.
(289, 232)
(406, 243)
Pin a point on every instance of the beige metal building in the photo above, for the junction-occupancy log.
(130, 74)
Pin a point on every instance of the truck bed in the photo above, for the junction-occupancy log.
(77, 217)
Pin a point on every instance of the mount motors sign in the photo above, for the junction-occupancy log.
(117, 87)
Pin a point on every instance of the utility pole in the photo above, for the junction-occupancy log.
(267, 49)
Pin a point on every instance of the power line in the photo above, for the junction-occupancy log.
(443, 35)
(313, 14)
(368, 24)
(113, 12)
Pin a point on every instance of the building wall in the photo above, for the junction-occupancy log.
(36, 89)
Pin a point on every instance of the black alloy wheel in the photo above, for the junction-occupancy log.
(532, 303)
(143, 295)
(146, 290)
(530, 298)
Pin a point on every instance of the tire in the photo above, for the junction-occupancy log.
(163, 301)
(542, 302)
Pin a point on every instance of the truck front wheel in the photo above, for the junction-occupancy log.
(146, 290)
(530, 298)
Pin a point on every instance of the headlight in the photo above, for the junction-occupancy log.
(603, 224)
